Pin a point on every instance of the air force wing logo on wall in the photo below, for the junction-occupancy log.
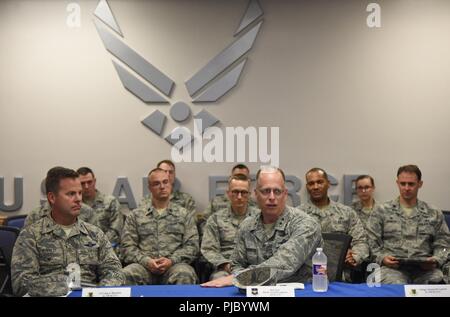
(207, 85)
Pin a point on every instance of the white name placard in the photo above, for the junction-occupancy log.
(427, 290)
(270, 291)
(106, 292)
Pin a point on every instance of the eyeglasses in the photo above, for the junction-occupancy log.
(236, 193)
(363, 188)
(276, 191)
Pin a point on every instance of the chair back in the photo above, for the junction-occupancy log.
(8, 237)
(335, 248)
(447, 217)
(16, 221)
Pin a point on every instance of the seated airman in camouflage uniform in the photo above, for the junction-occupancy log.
(280, 237)
(160, 241)
(222, 201)
(220, 230)
(107, 215)
(365, 187)
(86, 213)
(407, 227)
(45, 249)
(335, 217)
(177, 197)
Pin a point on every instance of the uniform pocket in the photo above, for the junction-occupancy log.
(89, 255)
(146, 229)
(392, 229)
(426, 231)
(252, 255)
(50, 258)
(227, 234)
(176, 229)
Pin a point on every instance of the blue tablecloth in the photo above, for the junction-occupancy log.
(335, 289)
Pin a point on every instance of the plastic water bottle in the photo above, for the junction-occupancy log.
(319, 267)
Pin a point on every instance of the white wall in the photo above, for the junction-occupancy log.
(346, 97)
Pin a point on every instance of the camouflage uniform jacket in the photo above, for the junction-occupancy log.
(86, 213)
(148, 235)
(422, 234)
(43, 251)
(217, 203)
(288, 249)
(107, 216)
(219, 235)
(363, 215)
(182, 199)
(338, 218)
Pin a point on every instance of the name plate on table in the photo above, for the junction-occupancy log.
(270, 291)
(427, 290)
(106, 292)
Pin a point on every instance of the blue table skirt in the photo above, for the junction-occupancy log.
(335, 289)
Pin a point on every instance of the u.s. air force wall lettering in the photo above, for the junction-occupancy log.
(124, 192)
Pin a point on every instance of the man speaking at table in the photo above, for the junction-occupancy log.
(280, 237)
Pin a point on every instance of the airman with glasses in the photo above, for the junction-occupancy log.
(365, 188)
(221, 201)
(159, 240)
(220, 230)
